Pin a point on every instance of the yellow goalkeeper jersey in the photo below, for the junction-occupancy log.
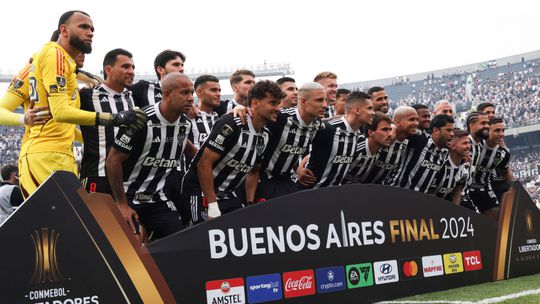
(52, 82)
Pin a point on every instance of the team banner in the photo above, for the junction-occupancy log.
(518, 245)
(348, 244)
(64, 246)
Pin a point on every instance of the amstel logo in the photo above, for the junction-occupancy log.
(45, 245)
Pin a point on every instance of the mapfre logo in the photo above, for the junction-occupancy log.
(386, 272)
(45, 244)
(472, 260)
(298, 283)
(432, 266)
(453, 263)
(228, 291)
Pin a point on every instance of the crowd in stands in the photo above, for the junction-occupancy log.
(525, 166)
(10, 144)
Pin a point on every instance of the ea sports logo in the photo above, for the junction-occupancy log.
(225, 287)
(410, 269)
(354, 276)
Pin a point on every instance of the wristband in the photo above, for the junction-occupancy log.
(213, 210)
(21, 120)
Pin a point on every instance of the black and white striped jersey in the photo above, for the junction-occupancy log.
(332, 151)
(240, 147)
(422, 161)
(99, 139)
(153, 153)
(201, 127)
(146, 93)
(361, 165)
(476, 151)
(225, 106)
(448, 179)
(289, 142)
(386, 163)
(329, 111)
(488, 160)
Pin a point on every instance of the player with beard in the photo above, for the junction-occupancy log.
(478, 127)
(329, 81)
(493, 155)
(379, 99)
(379, 136)
(389, 158)
(111, 97)
(425, 156)
(291, 135)
(424, 118)
(335, 146)
(241, 83)
(229, 153)
(52, 83)
(450, 180)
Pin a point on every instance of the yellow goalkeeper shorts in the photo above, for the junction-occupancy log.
(35, 168)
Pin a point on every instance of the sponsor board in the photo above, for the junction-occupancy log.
(359, 275)
(410, 268)
(330, 279)
(264, 288)
(226, 291)
(472, 260)
(298, 283)
(453, 263)
(385, 272)
(432, 266)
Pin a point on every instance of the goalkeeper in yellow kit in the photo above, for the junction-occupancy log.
(52, 83)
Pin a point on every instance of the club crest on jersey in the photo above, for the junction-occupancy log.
(53, 88)
(61, 80)
(226, 130)
(17, 83)
(260, 146)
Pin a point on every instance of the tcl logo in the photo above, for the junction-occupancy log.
(298, 283)
(473, 260)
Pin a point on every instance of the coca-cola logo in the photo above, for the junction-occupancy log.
(298, 283)
(304, 282)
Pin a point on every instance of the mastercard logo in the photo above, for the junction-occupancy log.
(410, 269)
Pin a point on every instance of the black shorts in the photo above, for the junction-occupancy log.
(269, 188)
(199, 206)
(96, 185)
(499, 187)
(160, 219)
(172, 190)
(484, 199)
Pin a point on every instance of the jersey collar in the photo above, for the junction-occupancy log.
(162, 119)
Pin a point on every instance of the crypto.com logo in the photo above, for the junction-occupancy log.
(45, 245)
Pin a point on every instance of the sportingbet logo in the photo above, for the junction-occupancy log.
(432, 266)
(430, 165)
(298, 283)
(330, 279)
(228, 291)
(386, 272)
(341, 159)
(160, 162)
(264, 288)
(472, 260)
(453, 263)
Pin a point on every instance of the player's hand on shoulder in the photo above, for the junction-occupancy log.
(134, 118)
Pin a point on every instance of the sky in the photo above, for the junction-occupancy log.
(358, 40)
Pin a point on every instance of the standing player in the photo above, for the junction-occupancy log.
(379, 99)
(425, 156)
(288, 86)
(379, 136)
(450, 180)
(112, 97)
(52, 83)
(341, 97)
(389, 158)
(231, 150)
(335, 146)
(291, 135)
(241, 83)
(424, 117)
(493, 155)
(208, 92)
(487, 108)
(148, 93)
(140, 161)
(329, 81)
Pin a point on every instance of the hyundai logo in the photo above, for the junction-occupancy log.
(386, 268)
